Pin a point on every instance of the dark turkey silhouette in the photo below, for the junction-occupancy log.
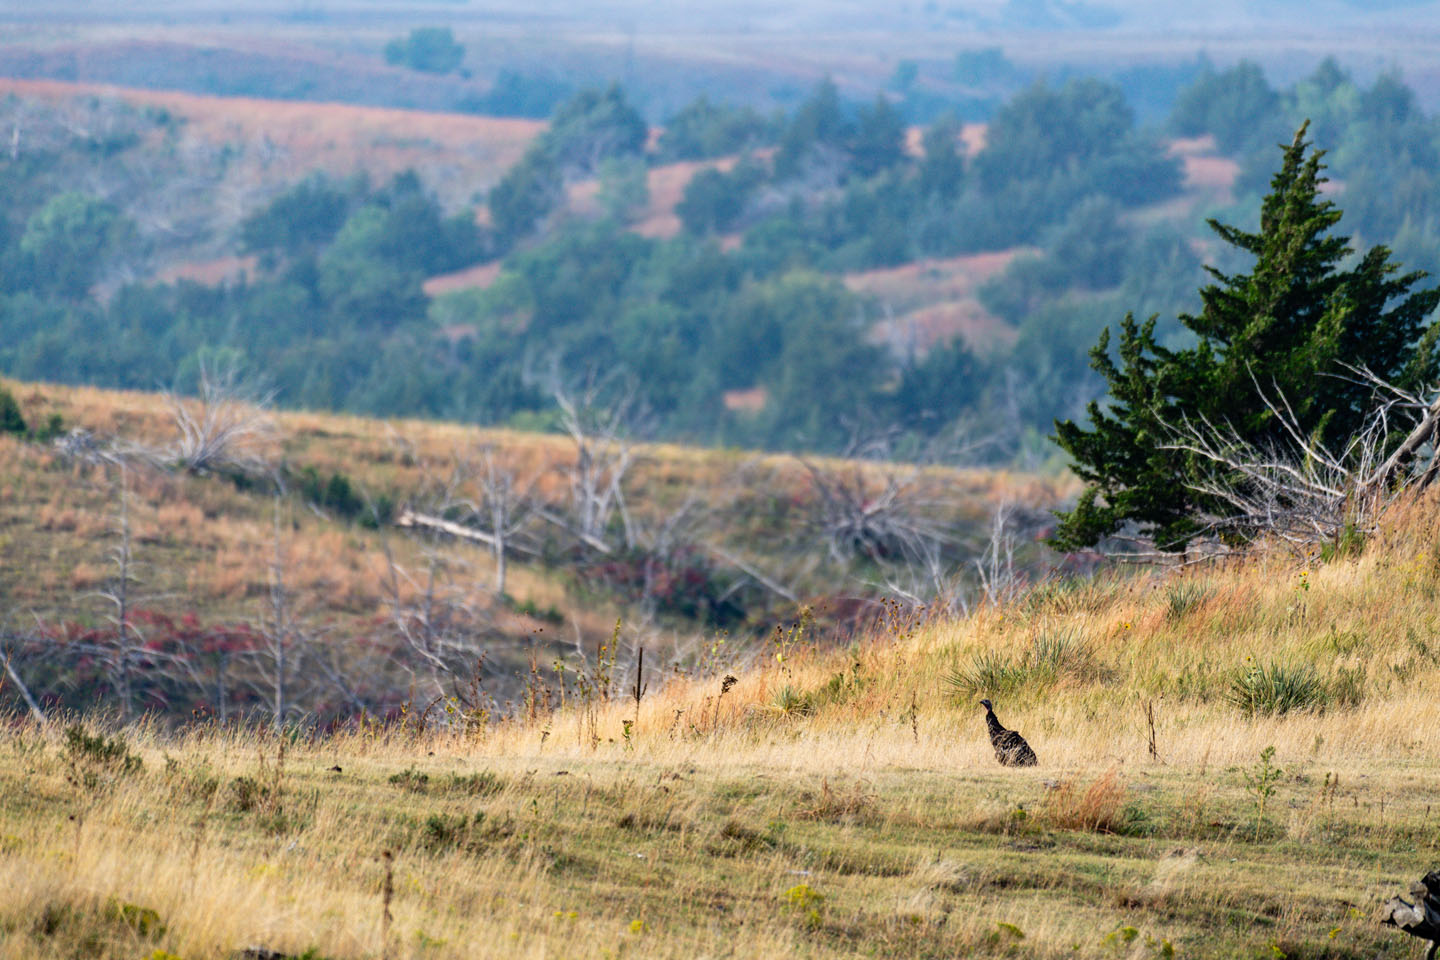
(1419, 919)
(1010, 748)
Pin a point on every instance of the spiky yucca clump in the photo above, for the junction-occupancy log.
(1277, 689)
(1051, 656)
(1184, 597)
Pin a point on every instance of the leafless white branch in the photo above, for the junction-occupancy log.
(226, 426)
(1300, 489)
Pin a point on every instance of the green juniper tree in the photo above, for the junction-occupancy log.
(11, 420)
(1285, 327)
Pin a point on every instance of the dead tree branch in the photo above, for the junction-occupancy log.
(226, 426)
(600, 422)
(120, 660)
(413, 518)
(279, 661)
(1300, 489)
(854, 514)
(30, 703)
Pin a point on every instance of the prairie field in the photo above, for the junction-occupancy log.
(1234, 761)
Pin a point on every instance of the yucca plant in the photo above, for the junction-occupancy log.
(1052, 654)
(1183, 598)
(1277, 689)
(989, 674)
(789, 702)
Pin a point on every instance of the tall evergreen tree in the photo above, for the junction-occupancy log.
(879, 141)
(818, 124)
(942, 171)
(1285, 326)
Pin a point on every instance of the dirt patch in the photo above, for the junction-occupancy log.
(208, 272)
(481, 276)
(460, 154)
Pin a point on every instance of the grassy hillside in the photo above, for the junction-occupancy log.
(204, 546)
(821, 804)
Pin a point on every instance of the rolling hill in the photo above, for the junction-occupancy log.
(706, 543)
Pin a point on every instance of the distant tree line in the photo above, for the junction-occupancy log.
(740, 330)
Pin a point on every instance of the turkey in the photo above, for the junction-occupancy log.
(1419, 919)
(1010, 748)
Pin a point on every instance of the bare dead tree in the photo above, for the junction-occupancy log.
(1305, 491)
(999, 581)
(416, 622)
(661, 547)
(436, 616)
(279, 660)
(226, 426)
(436, 610)
(120, 659)
(880, 512)
(928, 579)
(505, 504)
(600, 420)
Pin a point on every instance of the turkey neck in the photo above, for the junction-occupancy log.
(993, 723)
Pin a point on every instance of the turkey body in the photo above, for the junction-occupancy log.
(1010, 748)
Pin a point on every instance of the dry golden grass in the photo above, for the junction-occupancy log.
(825, 803)
(873, 821)
(204, 548)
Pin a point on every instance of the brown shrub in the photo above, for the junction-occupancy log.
(1099, 806)
(834, 805)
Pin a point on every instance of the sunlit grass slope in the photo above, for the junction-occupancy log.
(821, 804)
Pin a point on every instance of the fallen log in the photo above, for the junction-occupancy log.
(409, 518)
(594, 543)
(1421, 918)
(773, 586)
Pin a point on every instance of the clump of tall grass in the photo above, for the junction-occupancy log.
(1277, 689)
(789, 702)
(1101, 806)
(1183, 598)
(1067, 595)
(1052, 655)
